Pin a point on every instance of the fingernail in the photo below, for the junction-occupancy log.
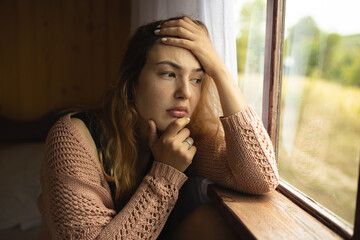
(157, 31)
(158, 26)
(188, 119)
(163, 39)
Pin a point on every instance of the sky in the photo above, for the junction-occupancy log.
(333, 16)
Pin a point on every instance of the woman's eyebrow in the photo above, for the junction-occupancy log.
(172, 64)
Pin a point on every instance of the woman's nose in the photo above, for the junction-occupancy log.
(183, 89)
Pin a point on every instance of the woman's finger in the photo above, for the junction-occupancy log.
(188, 20)
(175, 127)
(189, 143)
(183, 134)
(178, 42)
(152, 133)
(175, 31)
(183, 22)
(192, 152)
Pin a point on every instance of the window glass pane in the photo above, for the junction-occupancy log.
(320, 115)
(250, 16)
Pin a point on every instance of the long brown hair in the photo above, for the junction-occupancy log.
(118, 116)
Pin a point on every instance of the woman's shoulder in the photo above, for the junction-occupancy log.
(71, 151)
(84, 133)
(71, 155)
(71, 132)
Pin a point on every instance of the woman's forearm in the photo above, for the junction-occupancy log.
(146, 213)
(231, 97)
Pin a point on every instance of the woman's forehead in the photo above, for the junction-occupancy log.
(180, 56)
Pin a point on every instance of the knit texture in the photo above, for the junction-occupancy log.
(76, 201)
(246, 161)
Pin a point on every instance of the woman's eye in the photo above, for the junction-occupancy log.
(169, 74)
(197, 80)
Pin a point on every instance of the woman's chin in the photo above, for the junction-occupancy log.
(163, 125)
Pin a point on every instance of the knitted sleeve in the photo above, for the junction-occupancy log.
(76, 200)
(246, 160)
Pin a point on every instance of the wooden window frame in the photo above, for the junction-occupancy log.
(275, 19)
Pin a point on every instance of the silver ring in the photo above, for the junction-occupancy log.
(188, 143)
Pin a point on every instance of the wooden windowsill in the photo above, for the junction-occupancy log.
(268, 216)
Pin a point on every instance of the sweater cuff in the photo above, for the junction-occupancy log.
(241, 118)
(161, 170)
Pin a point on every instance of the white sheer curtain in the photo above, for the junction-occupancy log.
(216, 14)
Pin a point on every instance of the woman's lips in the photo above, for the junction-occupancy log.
(177, 112)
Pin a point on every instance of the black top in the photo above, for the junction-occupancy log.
(92, 124)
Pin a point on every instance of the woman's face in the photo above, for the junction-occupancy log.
(169, 85)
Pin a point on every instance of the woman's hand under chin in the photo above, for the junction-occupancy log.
(172, 147)
(189, 35)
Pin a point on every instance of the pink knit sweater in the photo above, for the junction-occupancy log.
(76, 201)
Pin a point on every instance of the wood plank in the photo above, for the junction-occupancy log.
(58, 53)
(269, 216)
(118, 35)
(9, 78)
(27, 52)
(42, 68)
(98, 42)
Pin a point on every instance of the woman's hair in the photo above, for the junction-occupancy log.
(118, 116)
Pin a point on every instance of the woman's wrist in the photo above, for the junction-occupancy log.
(163, 171)
(219, 72)
(231, 97)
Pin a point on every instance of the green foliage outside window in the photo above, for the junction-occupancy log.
(332, 57)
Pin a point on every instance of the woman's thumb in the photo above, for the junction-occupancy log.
(152, 133)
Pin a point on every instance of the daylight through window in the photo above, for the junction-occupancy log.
(319, 140)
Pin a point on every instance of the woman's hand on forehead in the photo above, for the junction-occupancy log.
(187, 34)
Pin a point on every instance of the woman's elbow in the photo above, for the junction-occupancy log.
(259, 187)
(267, 187)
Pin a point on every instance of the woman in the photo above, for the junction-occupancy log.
(116, 172)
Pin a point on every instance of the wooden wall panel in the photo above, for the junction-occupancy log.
(58, 53)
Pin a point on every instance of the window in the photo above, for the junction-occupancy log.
(317, 133)
(250, 17)
(319, 141)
